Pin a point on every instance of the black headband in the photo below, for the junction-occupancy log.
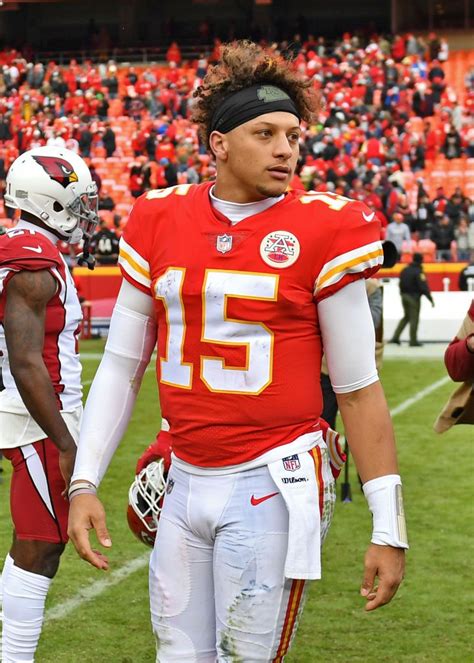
(244, 105)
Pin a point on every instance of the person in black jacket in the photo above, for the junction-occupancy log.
(412, 286)
(105, 245)
(109, 140)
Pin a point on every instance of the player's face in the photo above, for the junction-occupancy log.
(260, 157)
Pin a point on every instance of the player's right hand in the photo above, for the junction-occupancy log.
(86, 513)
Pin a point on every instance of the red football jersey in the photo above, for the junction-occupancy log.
(239, 344)
(23, 249)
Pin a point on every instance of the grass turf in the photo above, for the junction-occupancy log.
(430, 620)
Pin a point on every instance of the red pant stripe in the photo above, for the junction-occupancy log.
(318, 465)
(294, 601)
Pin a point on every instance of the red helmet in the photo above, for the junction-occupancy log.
(145, 501)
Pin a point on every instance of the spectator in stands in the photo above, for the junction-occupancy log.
(413, 286)
(135, 182)
(173, 54)
(459, 362)
(452, 144)
(455, 207)
(150, 144)
(423, 103)
(104, 245)
(464, 239)
(85, 140)
(108, 138)
(170, 172)
(440, 200)
(423, 221)
(96, 177)
(404, 209)
(443, 52)
(5, 127)
(398, 231)
(111, 81)
(442, 234)
(416, 154)
(106, 202)
(398, 48)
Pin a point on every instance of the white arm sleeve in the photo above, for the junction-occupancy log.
(130, 344)
(348, 338)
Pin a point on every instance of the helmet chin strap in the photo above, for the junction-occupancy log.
(85, 259)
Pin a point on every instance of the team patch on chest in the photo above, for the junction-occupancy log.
(280, 249)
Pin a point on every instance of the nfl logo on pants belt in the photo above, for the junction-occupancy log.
(292, 463)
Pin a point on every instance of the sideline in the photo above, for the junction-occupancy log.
(97, 588)
(419, 396)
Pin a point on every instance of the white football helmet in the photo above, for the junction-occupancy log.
(145, 501)
(55, 185)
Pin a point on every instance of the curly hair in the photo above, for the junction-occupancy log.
(244, 63)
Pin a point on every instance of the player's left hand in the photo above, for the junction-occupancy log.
(387, 564)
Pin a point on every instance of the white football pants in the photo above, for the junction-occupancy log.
(217, 585)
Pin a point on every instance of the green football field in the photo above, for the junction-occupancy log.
(96, 617)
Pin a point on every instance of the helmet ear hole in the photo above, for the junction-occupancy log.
(57, 206)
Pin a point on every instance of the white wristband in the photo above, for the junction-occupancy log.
(83, 486)
(385, 500)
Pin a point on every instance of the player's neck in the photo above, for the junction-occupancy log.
(235, 211)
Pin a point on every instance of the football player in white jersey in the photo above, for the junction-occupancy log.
(242, 281)
(41, 405)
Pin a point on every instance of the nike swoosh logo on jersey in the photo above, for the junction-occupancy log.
(36, 249)
(258, 500)
(368, 217)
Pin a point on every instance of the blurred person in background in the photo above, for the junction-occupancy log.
(104, 245)
(398, 231)
(413, 286)
(442, 234)
(464, 236)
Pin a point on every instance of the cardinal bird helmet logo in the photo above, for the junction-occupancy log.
(58, 169)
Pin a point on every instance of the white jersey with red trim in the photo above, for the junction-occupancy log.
(239, 342)
(24, 249)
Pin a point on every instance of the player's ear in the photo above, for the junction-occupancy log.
(218, 145)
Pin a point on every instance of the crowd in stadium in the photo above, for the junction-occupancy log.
(392, 131)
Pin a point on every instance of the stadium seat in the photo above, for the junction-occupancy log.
(408, 249)
(428, 248)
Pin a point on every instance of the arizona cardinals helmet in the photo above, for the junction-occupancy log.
(145, 501)
(55, 185)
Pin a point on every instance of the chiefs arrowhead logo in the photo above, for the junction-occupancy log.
(58, 169)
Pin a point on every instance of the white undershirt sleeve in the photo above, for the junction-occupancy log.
(348, 338)
(130, 344)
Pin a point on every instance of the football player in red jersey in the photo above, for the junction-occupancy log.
(41, 405)
(242, 282)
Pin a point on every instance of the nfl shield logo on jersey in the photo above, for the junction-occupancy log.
(291, 463)
(224, 243)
